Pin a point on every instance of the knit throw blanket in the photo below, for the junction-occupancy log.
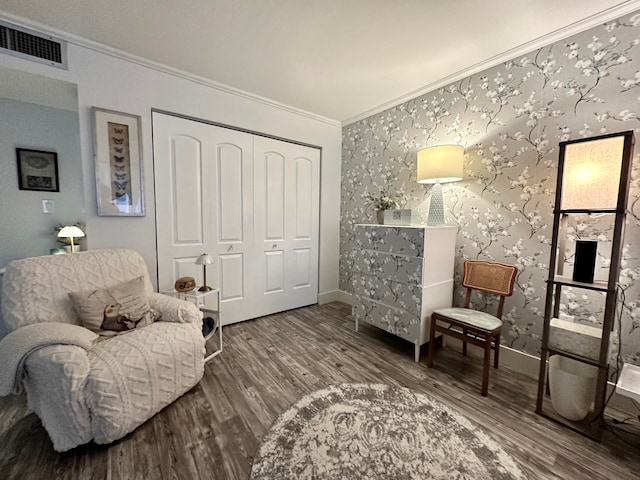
(19, 344)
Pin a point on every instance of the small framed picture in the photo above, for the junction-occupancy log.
(118, 156)
(37, 170)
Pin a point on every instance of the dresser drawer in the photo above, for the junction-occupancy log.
(392, 320)
(387, 266)
(400, 240)
(389, 292)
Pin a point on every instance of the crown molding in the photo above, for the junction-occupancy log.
(560, 34)
(130, 58)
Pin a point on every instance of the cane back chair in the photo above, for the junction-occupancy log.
(472, 326)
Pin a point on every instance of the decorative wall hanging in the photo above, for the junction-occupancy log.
(118, 158)
(37, 170)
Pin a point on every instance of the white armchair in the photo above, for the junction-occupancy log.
(81, 388)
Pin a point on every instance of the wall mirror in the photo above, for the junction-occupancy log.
(37, 114)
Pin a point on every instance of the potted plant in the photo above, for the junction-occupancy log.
(380, 202)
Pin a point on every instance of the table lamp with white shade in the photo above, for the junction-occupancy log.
(204, 260)
(71, 232)
(438, 165)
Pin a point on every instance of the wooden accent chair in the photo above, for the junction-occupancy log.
(472, 326)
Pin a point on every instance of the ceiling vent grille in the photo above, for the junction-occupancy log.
(24, 43)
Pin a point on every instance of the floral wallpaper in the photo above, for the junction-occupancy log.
(510, 119)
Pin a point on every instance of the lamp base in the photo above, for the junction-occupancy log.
(436, 207)
(205, 288)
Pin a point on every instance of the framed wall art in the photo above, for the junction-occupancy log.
(37, 170)
(118, 157)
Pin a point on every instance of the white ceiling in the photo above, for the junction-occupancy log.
(335, 58)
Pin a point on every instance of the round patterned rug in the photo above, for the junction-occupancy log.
(358, 431)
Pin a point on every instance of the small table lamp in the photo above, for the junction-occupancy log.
(438, 165)
(71, 232)
(204, 260)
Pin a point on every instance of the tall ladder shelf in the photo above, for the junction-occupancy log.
(591, 425)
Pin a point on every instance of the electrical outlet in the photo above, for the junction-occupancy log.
(48, 206)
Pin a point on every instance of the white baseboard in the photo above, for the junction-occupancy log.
(515, 360)
(334, 296)
(521, 362)
(529, 366)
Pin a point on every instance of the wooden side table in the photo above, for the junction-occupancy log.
(209, 305)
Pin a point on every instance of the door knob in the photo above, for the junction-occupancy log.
(229, 248)
(275, 245)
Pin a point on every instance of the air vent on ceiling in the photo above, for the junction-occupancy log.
(24, 43)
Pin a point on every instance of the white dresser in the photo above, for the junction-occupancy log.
(400, 276)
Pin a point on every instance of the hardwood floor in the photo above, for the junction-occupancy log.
(213, 431)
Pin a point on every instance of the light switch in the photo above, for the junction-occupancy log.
(48, 206)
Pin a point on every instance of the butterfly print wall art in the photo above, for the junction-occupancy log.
(118, 163)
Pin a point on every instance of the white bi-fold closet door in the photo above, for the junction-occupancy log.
(250, 202)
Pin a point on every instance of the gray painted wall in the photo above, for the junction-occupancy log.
(25, 230)
(41, 114)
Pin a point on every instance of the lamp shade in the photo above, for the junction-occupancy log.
(70, 231)
(591, 175)
(204, 259)
(442, 164)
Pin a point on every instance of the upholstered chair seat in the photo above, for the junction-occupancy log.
(482, 320)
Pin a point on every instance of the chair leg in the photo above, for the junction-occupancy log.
(485, 366)
(496, 353)
(432, 342)
(464, 344)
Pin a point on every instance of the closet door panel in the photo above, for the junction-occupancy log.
(231, 193)
(230, 267)
(208, 171)
(182, 165)
(295, 185)
(232, 202)
(185, 193)
(184, 267)
(304, 217)
(273, 195)
(274, 271)
(303, 268)
(303, 202)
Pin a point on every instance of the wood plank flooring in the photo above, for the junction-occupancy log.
(213, 431)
